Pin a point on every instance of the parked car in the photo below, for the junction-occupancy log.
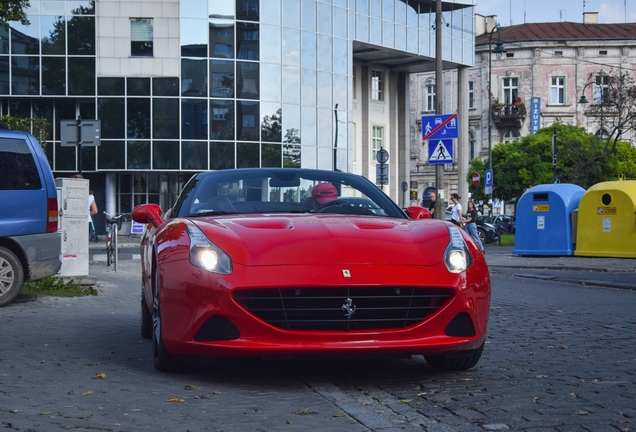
(30, 245)
(486, 231)
(505, 224)
(270, 261)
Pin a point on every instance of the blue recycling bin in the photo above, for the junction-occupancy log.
(544, 220)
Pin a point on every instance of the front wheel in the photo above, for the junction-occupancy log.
(457, 361)
(11, 276)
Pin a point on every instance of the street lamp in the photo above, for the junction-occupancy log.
(499, 49)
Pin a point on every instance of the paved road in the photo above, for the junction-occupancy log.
(559, 357)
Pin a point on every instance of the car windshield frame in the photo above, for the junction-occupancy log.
(279, 190)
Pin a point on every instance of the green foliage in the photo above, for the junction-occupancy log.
(13, 10)
(55, 286)
(37, 127)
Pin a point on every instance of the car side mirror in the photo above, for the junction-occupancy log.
(416, 212)
(147, 213)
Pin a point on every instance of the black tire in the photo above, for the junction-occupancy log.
(146, 318)
(456, 361)
(482, 236)
(109, 255)
(163, 360)
(11, 276)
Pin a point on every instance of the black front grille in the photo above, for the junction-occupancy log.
(327, 308)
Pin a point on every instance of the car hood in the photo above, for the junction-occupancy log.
(326, 239)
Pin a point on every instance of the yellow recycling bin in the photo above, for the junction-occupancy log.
(607, 221)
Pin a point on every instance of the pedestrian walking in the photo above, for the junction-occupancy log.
(470, 225)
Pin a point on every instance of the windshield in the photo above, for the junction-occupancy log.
(260, 191)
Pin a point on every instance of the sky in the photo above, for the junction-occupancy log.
(530, 11)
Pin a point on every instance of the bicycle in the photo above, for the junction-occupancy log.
(112, 225)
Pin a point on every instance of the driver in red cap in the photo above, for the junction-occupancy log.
(323, 193)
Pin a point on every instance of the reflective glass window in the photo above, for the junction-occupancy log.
(340, 129)
(44, 109)
(400, 37)
(110, 86)
(81, 76)
(309, 15)
(88, 157)
(375, 31)
(308, 125)
(388, 34)
(340, 93)
(247, 155)
(80, 7)
(324, 18)
(165, 155)
(375, 9)
(138, 86)
(25, 39)
(325, 127)
(193, 8)
(165, 118)
(221, 39)
(412, 13)
(194, 77)
(221, 9)
(247, 41)
(141, 37)
(308, 157)
(112, 113)
(291, 13)
(400, 12)
(65, 158)
(309, 50)
(165, 87)
(49, 7)
(308, 87)
(325, 89)
(291, 88)
(4, 40)
(111, 155)
(412, 40)
(53, 35)
(138, 155)
(325, 159)
(340, 56)
(291, 156)
(247, 10)
(194, 119)
(270, 12)
(271, 155)
(271, 122)
(53, 76)
(389, 10)
(194, 37)
(25, 75)
(87, 108)
(222, 119)
(81, 35)
(248, 121)
(340, 22)
(291, 47)
(247, 80)
(270, 82)
(194, 156)
(270, 38)
(221, 155)
(222, 78)
(138, 120)
(362, 28)
(362, 7)
(291, 124)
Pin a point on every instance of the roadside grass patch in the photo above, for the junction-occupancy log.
(55, 286)
(507, 239)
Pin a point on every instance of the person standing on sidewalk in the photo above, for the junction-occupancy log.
(456, 216)
(471, 226)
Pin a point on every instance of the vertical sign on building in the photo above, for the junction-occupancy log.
(535, 114)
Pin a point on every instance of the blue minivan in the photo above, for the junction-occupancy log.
(30, 244)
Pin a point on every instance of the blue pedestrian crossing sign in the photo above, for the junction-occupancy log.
(440, 151)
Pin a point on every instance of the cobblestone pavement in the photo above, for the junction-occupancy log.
(559, 357)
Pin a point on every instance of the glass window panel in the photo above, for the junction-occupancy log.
(291, 124)
(4, 40)
(308, 157)
(25, 39)
(309, 15)
(309, 50)
(138, 155)
(25, 75)
(221, 8)
(138, 117)
(340, 129)
(362, 7)
(340, 56)
(53, 7)
(81, 76)
(389, 10)
(340, 22)
(194, 37)
(112, 113)
(271, 12)
(375, 9)
(22, 108)
(291, 156)
(111, 86)
(388, 34)
(221, 155)
(362, 28)
(194, 119)
(111, 154)
(80, 7)
(271, 155)
(222, 119)
(53, 76)
(270, 38)
(194, 156)
(247, 41)
(138, 86)
(375, 31)
(87, 108)
(165, 87)
(165, 118)
(81, 35)
(308, 90)
(247, 80)
(291, 13)
(270, 82)
(65, 158)
(88, 158)
(222, 78)
(248, 125)
(425, 42)
(412, 11)
(308, 126)
(194, 77)
(340, 93)
(324, 18)
(193, 8)
(325, 89)
(325, 159)
(53, 35)
(165, 155)
(291, 89)
(411, 39)
(291, 47)
(247, 155)
(325, 127)
(44, 110)
(400, 12)
(221, 39)
(272, 122)
(141, 37)
(247, 10)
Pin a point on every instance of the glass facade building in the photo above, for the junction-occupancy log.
(191, 85)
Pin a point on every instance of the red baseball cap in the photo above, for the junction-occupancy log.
(324, 193)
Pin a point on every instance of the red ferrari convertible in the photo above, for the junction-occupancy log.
(279, 262)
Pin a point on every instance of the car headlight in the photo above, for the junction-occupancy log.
(456, 257)
(206, 255)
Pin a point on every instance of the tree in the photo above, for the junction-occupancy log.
(37, 127)
(14, 10)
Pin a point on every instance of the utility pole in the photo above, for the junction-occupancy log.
(440, 211)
